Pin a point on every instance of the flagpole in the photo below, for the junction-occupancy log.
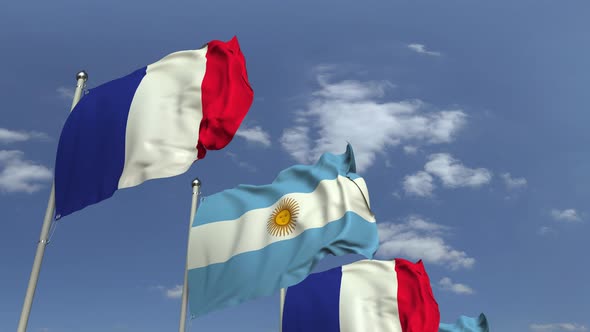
(81, 78)
(196, 184)
(281, 307)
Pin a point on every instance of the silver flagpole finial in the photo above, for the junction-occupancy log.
(196, 182)
(82, 75)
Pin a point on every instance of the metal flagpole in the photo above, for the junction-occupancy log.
(196, 187)
(281, 307)
(43, 239)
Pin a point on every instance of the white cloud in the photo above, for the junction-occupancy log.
(242, 164)
(513, 183)
(417, 223)
(420, 48)
(174, 293)
(449, 170)
(448, 285)
(554, 327)
(350, 90)
(544, 230)
(351, 111)
(295, 140)
(419, 239)
(566, 215)
(65, 92)
(255, 135)
(171, 293)
(20, 175)
(408, 149)
(453, 174)
(12, 136)
(419, 184)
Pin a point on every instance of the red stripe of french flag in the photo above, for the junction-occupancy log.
(417, 307)
(226, 95)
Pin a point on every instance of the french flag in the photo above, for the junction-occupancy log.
(152, 123)
(367, 295)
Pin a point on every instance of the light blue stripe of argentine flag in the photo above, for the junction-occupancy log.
(231, 204)
(253, 274)
(467, 324)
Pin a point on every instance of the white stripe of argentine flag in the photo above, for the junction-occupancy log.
(152, 123)
(238, 250)
(312, 209)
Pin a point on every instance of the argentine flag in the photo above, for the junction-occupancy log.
(152, 123)
(365, 296)
(251, 241)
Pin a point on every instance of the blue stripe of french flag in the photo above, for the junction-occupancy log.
(152, 123)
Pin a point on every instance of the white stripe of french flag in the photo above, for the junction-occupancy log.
(152, 123)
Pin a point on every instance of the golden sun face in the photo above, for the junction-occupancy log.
(283, 219)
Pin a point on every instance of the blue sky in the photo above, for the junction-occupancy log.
(468, 120)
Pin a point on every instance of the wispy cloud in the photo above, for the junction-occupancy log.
(457, 288)
(554, 327)
(565, 215)
(544, 230)
(175, 292)
(416, 239)
(234, 157)
(65, 92)
(171, 293)
(296, 141)
(255, 135)
(353, 111)
(20, 175)
(513, 183)
(421, 48)
(419, 184)
(409, 149)
(12, 136)
(453, 174)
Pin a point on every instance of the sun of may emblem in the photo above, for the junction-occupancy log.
(283, 219)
